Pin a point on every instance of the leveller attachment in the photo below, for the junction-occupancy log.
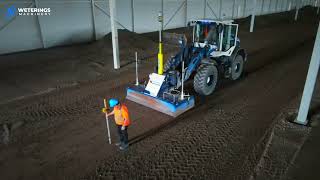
(170, 108)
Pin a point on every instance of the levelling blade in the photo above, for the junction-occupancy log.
(161, 105)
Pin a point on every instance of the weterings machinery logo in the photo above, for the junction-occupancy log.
(13, 11)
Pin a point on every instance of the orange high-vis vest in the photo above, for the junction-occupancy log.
(121, 115)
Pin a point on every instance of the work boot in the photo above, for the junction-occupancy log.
(124, 146)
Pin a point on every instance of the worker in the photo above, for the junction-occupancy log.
(122, 120)
(211, 37)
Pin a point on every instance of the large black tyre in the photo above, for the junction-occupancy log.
(236, 67)
(205, 81)
(169, 65)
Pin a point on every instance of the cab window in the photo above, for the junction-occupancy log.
(229, 36)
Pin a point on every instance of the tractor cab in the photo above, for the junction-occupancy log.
(220, 36)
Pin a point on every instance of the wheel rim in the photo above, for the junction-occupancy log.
(237, 67)
(210, 80)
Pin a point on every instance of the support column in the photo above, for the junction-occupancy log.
(253, 15)
(297, 10)
(40, 27)
(289, 6)
(204, 9)
(114, 31)
(244, 8)
(186, 13)
(238, 11)
(310, 82)
(93, 19)
(132, 15)
(220, 10)
(262, 7)
(269, 11)
(233, 6)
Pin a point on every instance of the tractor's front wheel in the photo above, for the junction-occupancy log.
(236, 67)
(205, 81)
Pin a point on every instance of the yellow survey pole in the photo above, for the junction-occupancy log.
(160, 59)
(160, 54)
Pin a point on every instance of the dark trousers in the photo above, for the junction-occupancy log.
(123, 135)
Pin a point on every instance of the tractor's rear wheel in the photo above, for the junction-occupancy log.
(236, 67)
(205, 81)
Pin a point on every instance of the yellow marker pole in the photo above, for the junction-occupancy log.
(160, 59)
(160, 54)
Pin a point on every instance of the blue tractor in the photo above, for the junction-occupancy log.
(214, 53)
